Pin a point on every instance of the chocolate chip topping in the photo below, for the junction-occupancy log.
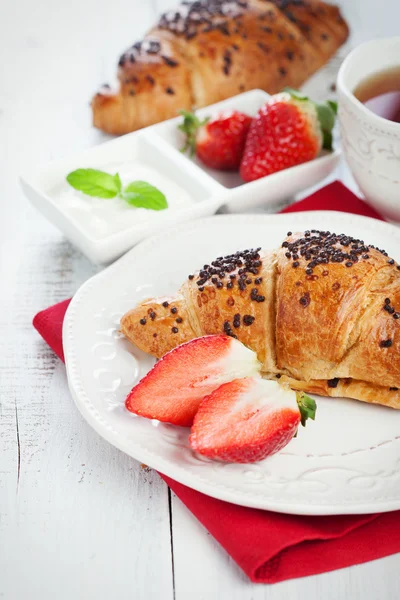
(386, 343)
(228, 329)
(333, 383)
(323, 247)
(221, 270)
(202, 16)
(248, 319)
(305, 300)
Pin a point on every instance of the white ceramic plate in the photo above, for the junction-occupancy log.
(347, 461)
(158, 147)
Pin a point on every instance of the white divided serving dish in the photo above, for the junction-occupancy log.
(159, 148)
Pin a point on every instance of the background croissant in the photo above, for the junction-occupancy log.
(209, 50)
(320, 312)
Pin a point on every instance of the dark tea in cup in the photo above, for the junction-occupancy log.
(380, 92)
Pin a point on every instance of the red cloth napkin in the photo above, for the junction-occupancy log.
(268, 546)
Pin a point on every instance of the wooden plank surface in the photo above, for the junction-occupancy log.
(78, 519)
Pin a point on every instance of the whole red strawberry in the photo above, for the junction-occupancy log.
(218, 142)
(288, 130)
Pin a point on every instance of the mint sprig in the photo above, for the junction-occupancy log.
(100, 184)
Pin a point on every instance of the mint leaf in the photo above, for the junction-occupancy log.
(307, 407)
(95, 183)
(143, 195)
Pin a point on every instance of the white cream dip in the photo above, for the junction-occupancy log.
(100, 217)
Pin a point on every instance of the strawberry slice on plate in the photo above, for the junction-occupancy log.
(175, 387)
(288, 130)
(248, 419)
(218, 142)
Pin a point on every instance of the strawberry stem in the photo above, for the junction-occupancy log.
(190, 126)
(307, 407)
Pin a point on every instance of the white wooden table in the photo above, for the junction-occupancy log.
(78, 519)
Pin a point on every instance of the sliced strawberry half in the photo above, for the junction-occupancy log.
(173, 390)
(248, 419)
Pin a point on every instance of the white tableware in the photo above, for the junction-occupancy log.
(159, 147)
(347, 461)
(370, 142)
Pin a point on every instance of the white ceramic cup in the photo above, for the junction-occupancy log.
(371, 143)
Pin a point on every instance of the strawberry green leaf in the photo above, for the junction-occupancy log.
(191, 124)
(295, 93)
(326, 116)
(333, 105)
(327, 140)
(95, 183)
(143, 195)
(307, 407)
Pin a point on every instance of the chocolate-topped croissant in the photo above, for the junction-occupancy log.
(209, 50)
(322, 313)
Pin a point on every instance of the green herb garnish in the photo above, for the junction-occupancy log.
(103, 185)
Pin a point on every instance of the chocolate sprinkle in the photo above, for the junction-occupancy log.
(305, 300)
(170, 61)
(333, 383)
(202, 16)
(143, 321)
(236, 320)
(174, 330)
(165, 304)
(324, 247)
(228, 329)
(386, 343)
(248, 319)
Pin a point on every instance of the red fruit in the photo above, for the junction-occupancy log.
(248, 419)
(219, 142)
(173, 390)
(288, 130)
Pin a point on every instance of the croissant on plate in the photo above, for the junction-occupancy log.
(209, 50)
(322, 313)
